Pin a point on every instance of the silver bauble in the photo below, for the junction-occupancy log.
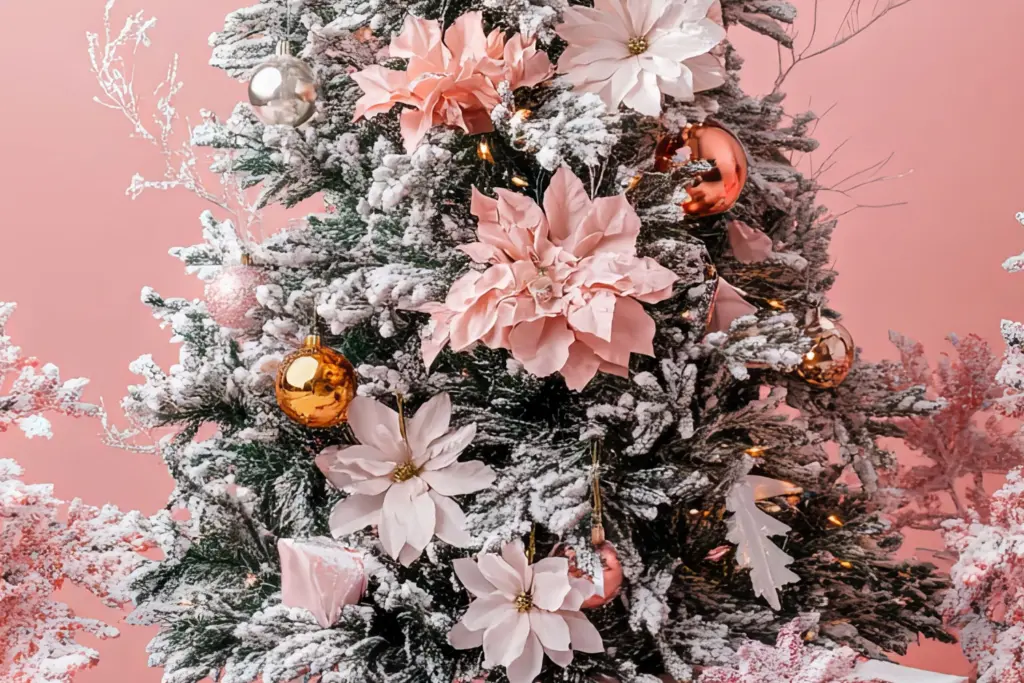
(282, 90)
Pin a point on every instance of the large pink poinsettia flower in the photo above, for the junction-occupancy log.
(451, 81)
(633, 51)
(564, 285)
(400, 478)
(523, 611)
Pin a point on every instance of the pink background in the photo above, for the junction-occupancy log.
(927, 83)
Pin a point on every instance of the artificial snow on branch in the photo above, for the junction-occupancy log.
(42, 547)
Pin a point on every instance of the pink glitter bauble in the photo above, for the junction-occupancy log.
(231, 297)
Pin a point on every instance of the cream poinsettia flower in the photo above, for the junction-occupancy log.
(400, 478)
(633, 51)
(523, 611)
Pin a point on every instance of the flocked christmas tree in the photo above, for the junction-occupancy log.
(606, 425)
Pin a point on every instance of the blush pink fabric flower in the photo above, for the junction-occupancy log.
(564, 285)
(523, 611)
(401, 479)
(451, 81)
(632, 51)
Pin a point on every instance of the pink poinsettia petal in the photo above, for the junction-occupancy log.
(633, 332)
(708, 72)
(374, 424)
(566, 203)
(396, 514)
(383, 89)
(444, 450)
(354, 513)
(515, 557)
(450, 526)
(729, 305)
(415, 125)
(525, 65)
(749, 245)
(421, 525)
(585, 637)
(370, 487)
(430, 422)
(461, 638)
(550, 589)
(527, 666)
(551, 629)
(501, 575)
(485, 612)
(418, 38)
(472, 578)
(559, 657)
(465, 38)
(542, 346)
(595, 317)
(581, 367)
(460, 478)
(504, 642)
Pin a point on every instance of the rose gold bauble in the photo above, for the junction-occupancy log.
(315, 385)
(611, 574)
(231, 297)
(717, 190)
(829, 361)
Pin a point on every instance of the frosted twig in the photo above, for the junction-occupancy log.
(116, 78)
(850, 27)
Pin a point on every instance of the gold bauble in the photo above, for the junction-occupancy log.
(829, 361)
(717, 190)
(315, 385)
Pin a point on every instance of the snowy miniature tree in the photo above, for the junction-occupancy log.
(987, 599)
(46, 543)
(962, 442)
(408, 171)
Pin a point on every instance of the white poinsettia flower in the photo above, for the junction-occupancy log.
(523, 611)
(401, 478)
(633, 51)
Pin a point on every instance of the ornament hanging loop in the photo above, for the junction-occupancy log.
(597, 536)
(401, 416)
(531, 550)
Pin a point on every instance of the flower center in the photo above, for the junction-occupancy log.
(404, 473)
(638, 45)
(542, 289)
(524, 602)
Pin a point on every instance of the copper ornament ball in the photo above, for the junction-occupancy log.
(315, 385)
(829, 361)
(717, 190)
(611, 573)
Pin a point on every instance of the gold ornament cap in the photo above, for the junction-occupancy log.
(315, 385)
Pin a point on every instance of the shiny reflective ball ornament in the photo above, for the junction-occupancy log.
(231, 297)
(717, 190)
(315, 385)
(829, 361)
(611, 579)
(282, 90)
